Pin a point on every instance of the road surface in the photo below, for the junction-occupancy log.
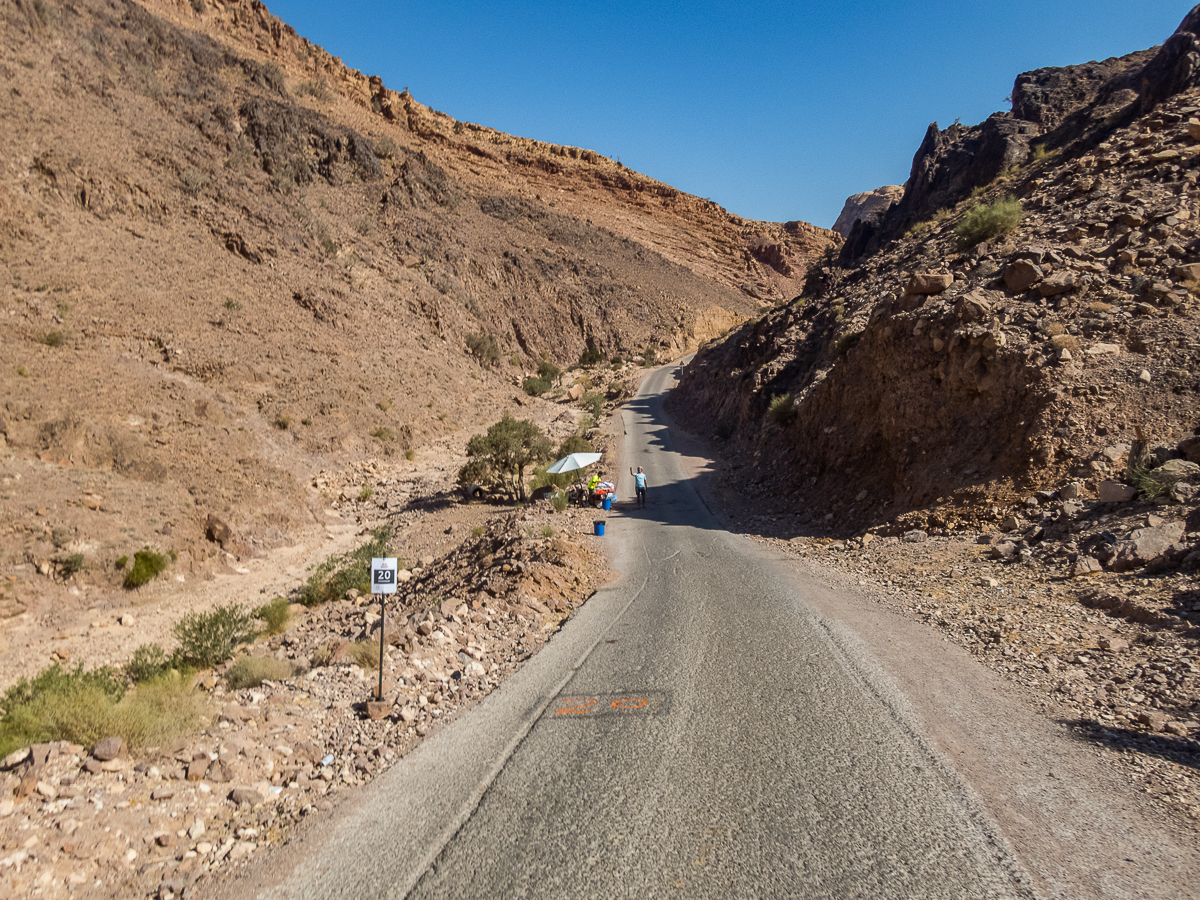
(717, 724)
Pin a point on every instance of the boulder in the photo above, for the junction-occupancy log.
(245, 796)
(1189, 272)
(378, 709)
(1152, 719)
(916, 536)
(1115, 492)
(1058, 283)
(926, 283)
(1190, 449)
(1145, 545)
(973, 306)
(217, 531)
(109, 748)
(1182, 492)
(1174, 471)
(1021, 275)
(14, 759)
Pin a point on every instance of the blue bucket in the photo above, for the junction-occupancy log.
(599, 527)
(608, 503)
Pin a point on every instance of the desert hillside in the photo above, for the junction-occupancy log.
(1015, 321)
(231, 262)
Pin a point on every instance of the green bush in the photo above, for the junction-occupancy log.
(85, 707)
(483, 346)
(338, 574)
(594, 403)
(548, 370)
(53, 339)
(649, 358)
(559, 501)
(984, 222)
(533, 385)
(208, 639)
(59, 704)
(147, 565)
(149, 661)
(274, 615)
(383, 434)
(69, 564)
(574, 443)
(782, 409)
(848, 341)
(251, 671)
(590, 356)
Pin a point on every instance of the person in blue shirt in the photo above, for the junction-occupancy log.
(639, 478)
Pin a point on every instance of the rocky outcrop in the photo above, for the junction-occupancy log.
(944, 382)
(1065, 110)
(867, 205)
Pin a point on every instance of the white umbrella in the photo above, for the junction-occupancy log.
(573, 462)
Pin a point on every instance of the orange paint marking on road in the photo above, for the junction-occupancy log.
(577, 707)
(630, 703)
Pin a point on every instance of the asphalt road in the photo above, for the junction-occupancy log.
(704, 727)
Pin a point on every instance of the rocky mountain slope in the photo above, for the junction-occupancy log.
(231, 262)
(952, 381)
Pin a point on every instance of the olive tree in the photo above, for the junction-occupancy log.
(503, 454)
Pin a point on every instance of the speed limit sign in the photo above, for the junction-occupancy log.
(383, 575)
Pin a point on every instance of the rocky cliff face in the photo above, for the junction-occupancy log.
(952, 381)
(1066, 110)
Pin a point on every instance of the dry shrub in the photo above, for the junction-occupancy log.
(1065, 342)
(323, 655)
(161, 711)
(364, 654)
(251, 671)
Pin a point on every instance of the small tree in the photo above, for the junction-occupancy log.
(508, 448)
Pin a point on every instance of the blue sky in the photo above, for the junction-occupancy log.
(775, 110)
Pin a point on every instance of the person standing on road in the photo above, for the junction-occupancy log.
(639, 478)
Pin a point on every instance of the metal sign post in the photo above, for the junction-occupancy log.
(383, 582)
